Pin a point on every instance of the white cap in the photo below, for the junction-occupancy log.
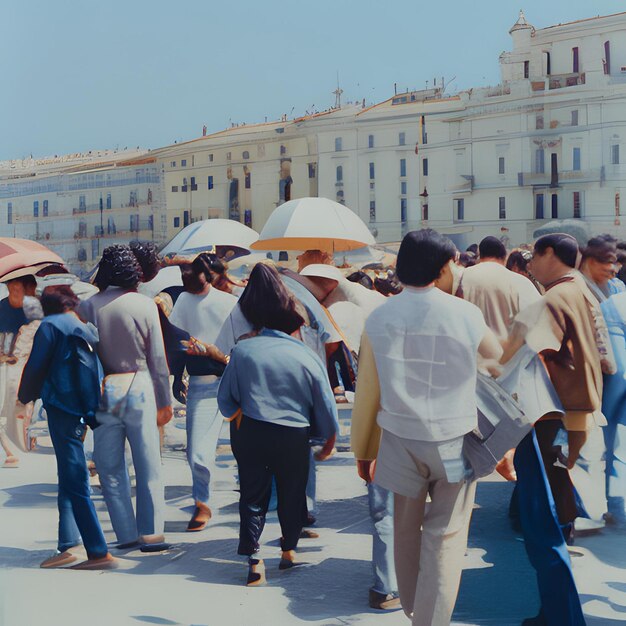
(319, 270)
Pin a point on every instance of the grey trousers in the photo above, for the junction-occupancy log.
(430, 539)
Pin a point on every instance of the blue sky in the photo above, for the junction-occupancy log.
(83, 74)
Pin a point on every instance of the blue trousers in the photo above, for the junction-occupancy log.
(381, 511)
(545, 545)
(77, 514)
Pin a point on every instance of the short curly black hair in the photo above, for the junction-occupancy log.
(147, 255)
(118, 268)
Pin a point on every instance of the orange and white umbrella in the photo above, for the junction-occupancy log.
(314, 224)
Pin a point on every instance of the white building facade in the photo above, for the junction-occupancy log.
(548, 142)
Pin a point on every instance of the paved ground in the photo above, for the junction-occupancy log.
(199, 582)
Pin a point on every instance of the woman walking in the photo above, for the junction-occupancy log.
(50, 374)
(277, 392)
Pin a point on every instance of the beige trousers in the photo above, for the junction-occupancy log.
(430, 539)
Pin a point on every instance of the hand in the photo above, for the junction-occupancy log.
(505, 466)
(575, 441)
(327, 449)
(366, 470)
(164, 415)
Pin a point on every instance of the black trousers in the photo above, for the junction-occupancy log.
(558, 477)
(264, 450)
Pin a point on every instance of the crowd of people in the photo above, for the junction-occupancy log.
(277, 355)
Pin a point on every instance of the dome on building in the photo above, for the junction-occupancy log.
(521, 24)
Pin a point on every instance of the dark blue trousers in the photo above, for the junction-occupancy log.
(545, 545)
(77, 514)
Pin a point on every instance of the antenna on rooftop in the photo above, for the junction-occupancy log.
(338, 93)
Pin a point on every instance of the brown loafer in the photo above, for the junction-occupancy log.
(103, 563)
(200, 518)
(383, 602)
(61, 559)
(307, 533)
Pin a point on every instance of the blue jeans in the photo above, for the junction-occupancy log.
(543, 538)
(130, 413)
(204, 423)
(381, 511)
(77, 514)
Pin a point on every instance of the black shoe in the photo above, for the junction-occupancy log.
(383, 602)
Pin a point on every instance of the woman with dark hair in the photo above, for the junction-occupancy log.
(50, 374)
(277, 393)
(417, 385)
(135, 400)
(201, 310)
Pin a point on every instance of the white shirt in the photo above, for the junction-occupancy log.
(203, 316)
(425, 345)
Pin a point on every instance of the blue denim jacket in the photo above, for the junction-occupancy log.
(49, 373)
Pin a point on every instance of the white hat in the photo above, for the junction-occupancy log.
(319, 270)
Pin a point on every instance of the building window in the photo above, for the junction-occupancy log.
(555, 206)
(183, 163)
(607, 57)
(36, 208)
(403, 205)
(312, 170)
(186, 218)
(173, 164)
(576, 160)
(548, 63)
(82, 204)
(108, 201)
(246, 154)
(194, 187)
(539, 206)
(229, 156)
(247, 180)
(372, 210)
(502, 207)
(500, 165)
(402, 167)
(338, 144)
(184, 186)
(425, 167)
(10, 213)
(210, 158)
(210, 182)
(403, 188)
(539, 122)
(370, 141)
(615, 154)
(177, 222)
(283, 150)
(459, 209)
(540, 161)
(575, 117)
(372, 172)
(423, 126)
(425, 212)
(526, 69)
(575, 61)
(45, 208)
(339, 174)
(576, 198)
(174, 188)
(402, 139)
